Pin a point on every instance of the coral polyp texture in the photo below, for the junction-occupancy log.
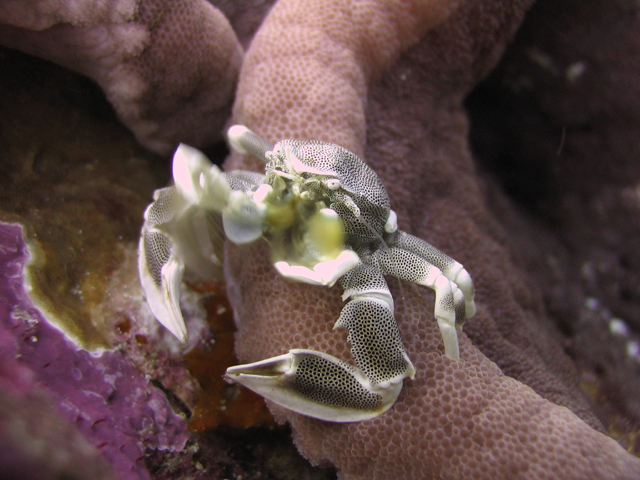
(137, 52)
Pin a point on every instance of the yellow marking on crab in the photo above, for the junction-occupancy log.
(326, 232)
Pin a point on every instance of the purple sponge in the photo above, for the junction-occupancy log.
(62, 409)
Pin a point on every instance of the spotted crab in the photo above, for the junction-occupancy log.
(327, 217)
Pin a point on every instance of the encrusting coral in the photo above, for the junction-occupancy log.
(107, 398)
(464, 420)
(168, 68)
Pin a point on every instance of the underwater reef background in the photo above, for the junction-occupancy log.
(92, 387)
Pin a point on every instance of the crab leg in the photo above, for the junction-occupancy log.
(162, 259)
(410, 267)
(182, 230)
(322, 386)
(450, 268)
(375, 340)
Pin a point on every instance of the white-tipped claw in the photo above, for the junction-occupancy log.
(198, 181)
(464, 282)
(236, 135)
(188, 165)
(164, 299)
(316, 384)
(246, 142)
(392, 222)
(449, 338)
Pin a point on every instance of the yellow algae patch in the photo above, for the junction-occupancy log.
(77, 181)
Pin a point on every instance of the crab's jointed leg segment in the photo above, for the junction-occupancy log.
(322, 386)
(452, 269)
(327, 217)
(375, 340)
(410, 267)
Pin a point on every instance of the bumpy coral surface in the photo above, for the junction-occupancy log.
(168, 68)
(323, 55)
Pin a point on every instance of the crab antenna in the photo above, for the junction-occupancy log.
(246, 142)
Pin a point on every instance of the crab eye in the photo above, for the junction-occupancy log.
(332, 183)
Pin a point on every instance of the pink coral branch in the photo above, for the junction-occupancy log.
(168, 68)
(321, 57)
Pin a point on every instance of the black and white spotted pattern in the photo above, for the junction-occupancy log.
(375, 339)
(326, 216)
(333, 383)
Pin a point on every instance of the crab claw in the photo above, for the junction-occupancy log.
(245, 142)
(161, 281)
(316, 384)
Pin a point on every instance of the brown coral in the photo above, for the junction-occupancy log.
(464, 420)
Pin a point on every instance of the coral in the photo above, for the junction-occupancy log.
(104, 397)
(464, 420)
(136, 52)
(323, 55)
(556, 126)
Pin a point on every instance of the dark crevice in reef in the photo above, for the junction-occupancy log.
(247, 453)
(554, 131)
